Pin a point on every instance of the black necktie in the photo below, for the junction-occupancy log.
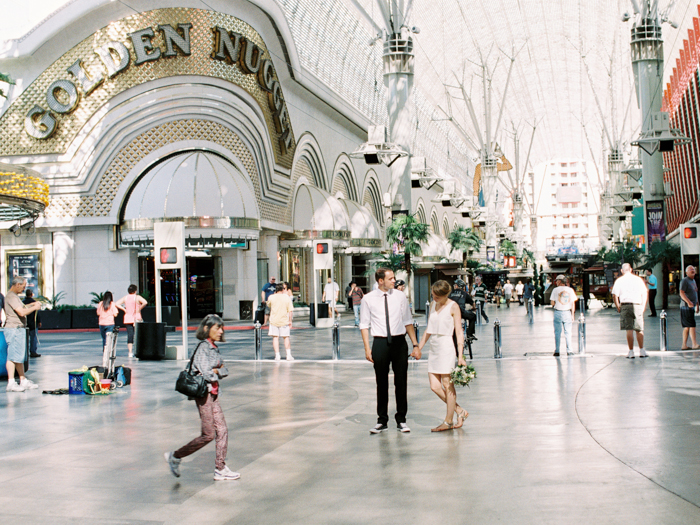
(388, 326)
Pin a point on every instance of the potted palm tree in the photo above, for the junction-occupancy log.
(406, 231)
(466, 240)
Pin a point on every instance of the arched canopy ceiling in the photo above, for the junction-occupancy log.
(555, 44)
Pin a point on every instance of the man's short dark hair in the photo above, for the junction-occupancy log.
(279, 287)
(132, 288)
(29, 292)
(381, 273)
(353, 282)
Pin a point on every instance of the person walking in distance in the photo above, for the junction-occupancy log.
(209, 363)
(330, 296)
(689, 307)
(266, 292)
(386, 312)
(630, 295)
(651, 286)
(355, 298)
(563, 301)
(132, 303)
(33, 324)
(281, 312)
(508, 292)
(480, 295)
(519, 292)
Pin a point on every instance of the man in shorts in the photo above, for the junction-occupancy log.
(281, 309)
(630, 295)
(16, 313)
(689, 307)
(330, 296)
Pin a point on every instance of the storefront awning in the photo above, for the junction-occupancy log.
(366, 235)
(209, 194)
(319, 215)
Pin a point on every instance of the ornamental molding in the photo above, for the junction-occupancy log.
(48, 116)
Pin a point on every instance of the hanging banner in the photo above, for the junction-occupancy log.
(656, 225)
(490, 253)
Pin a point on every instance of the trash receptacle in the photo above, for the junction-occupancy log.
(245, 310)
(149, 340)
(322, 312)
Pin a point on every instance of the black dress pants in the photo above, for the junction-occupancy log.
(396, 354)
(652, 302)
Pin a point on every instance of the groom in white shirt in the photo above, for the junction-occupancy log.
(386, 312)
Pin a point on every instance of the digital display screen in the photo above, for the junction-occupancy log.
(322, 247)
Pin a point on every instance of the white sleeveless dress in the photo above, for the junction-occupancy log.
(441, 356)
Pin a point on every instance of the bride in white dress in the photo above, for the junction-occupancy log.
(445, 319)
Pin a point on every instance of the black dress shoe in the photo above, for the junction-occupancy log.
(34, 355)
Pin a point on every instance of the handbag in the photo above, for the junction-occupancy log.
(189, 384)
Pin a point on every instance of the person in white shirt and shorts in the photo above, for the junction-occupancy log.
(281, 311)
(630, 295)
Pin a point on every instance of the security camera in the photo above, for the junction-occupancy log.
(626, 17)
(674, 24)
(415, 30)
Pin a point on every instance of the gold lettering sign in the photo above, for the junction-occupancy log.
(48, 115)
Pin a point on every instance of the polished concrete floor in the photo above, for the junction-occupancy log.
(594, 439)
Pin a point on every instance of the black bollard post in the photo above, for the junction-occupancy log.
(663, 336)
(336, 341)
(258, 341)
(497, 339)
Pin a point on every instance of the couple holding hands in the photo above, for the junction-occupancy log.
(386, 312)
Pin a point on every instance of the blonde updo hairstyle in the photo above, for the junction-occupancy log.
(442, 288)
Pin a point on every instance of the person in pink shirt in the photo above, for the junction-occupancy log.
(107, 310)
(132, 303)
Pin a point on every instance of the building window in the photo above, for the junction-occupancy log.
(565, 205)
(566, 226)
(564, 175)
(574, 204)
(563, 164)
(574, 175)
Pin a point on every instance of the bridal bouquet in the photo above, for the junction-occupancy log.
(462, 375)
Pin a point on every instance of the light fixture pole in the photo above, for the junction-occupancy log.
(648, 66)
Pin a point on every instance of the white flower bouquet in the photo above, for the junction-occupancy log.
(462, 375)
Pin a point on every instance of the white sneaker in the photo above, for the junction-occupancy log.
(28, 384)
(289, 357)
(642, 353)
(173, 463)
(630, 355)
(225, 474)
(277, 357)
(13, 386)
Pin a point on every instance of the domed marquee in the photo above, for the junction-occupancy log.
(135, 50)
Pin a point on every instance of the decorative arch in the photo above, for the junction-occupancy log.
(309, 151)
(454, 225)
(344, 178)
(434, 223)
(372, 196)
(420, 212)
(445, 226)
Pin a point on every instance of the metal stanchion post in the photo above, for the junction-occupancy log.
(582, 334)
(427, 311)
(478, 313)
(336, 341)
(663, 336)
(531, 311)
(415, 328)
(497, 339)
(258, 341)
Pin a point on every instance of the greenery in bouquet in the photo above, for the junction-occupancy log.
(462, 375)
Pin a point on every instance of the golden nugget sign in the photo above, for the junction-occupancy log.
(147, 46)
